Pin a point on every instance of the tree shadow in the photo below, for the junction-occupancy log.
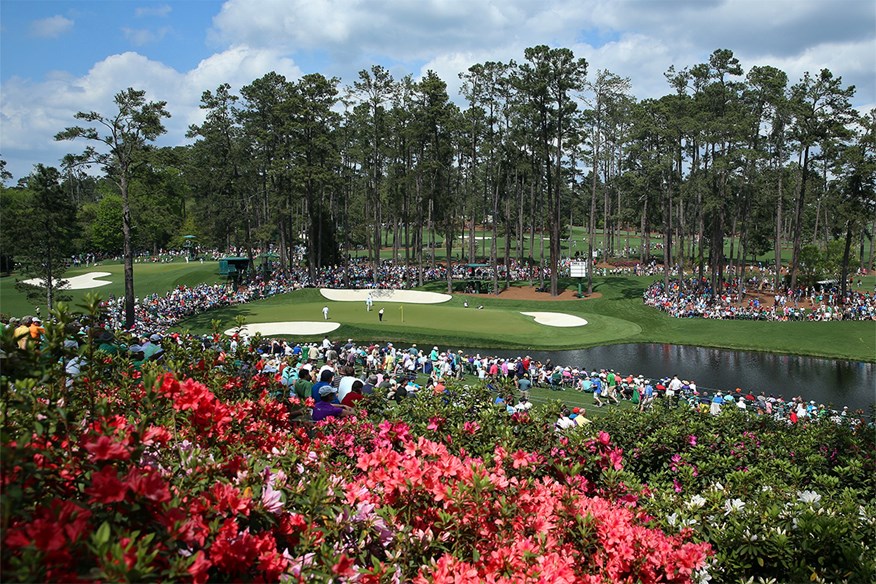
(626, 288)
(204, 320)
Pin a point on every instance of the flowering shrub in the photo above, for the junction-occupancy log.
(794, 503)
(203, 474)
(206, 478)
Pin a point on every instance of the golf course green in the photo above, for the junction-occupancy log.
(615, 315)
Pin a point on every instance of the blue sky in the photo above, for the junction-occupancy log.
(59, 57)
(42, 36)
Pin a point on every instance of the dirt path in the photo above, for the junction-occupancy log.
(529, 293)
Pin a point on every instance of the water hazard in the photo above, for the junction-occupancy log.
(828, 381)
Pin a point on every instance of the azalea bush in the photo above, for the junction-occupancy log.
(196, 470)
(790, 502)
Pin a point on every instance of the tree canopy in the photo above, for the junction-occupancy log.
(318, 171)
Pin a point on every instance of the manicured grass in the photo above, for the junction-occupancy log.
(499, 324)
(619, 316)
(149, 278)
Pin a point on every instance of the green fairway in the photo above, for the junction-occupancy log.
(498, 324)
(618, 316)
(149, 278)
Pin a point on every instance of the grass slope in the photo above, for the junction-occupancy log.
(618, 316)
(149, 278)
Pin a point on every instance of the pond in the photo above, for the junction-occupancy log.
(828, 381)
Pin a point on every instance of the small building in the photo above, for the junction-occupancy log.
(233, 266)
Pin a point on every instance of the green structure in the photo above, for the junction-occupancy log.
(191, 246)
(233, 266)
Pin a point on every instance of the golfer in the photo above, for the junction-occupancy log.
(380, 315)
(325, 312)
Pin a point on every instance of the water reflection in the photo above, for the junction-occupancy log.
(828, 381)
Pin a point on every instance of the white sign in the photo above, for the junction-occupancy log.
(578, 269)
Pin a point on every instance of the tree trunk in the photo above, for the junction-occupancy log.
(733, 238)
(798, 219)
(701, 234)
(667, 234)
(520, 222)
(606, 209)
(50, 279)
(872, 247)
(128, 251)
(844, 275)
(778, 241)
(431, 228)
(508, 231)
(591, 230)
(642, 229)
(493, 242)
(448, 249)
(681, 230)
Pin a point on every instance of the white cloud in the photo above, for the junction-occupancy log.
(398, 29)
(632, 38)
(145, 36)
(33, 112)
(160, 11)
(51, 27)
(629, 37)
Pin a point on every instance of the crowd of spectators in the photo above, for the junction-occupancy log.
(159, 312)
(695, 298)
(337, 374)
(398, 369)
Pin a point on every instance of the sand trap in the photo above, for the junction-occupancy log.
(408, 296)
(556, 319)
(287, 328)
(83, 282)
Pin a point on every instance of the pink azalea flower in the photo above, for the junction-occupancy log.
(272, 499)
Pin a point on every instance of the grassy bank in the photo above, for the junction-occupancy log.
(618, 316)
(149, 278)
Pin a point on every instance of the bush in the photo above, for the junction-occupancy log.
(194, 470)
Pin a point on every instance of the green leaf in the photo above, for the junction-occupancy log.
(102, 535)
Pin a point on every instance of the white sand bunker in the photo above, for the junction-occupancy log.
(556, 319)
(378, 295)
(83, 282)
(287, 328)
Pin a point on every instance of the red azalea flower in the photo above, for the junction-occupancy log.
(199, 568)
(344, 568)
(148, 483)
(156, 434)
(169, 386)
(53, 528)
(106, 486)
(105, 448)
(520, 459)
(227, 497)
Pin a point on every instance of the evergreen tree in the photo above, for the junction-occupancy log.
(42, 236)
